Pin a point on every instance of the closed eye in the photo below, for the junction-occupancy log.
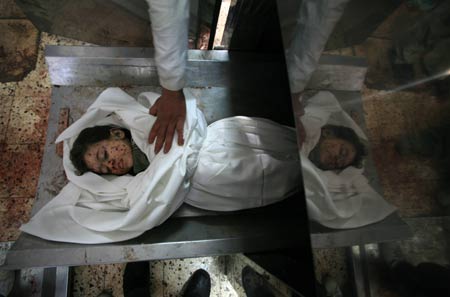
(102, 154)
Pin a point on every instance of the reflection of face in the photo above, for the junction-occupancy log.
(336, 153)
(110, 156)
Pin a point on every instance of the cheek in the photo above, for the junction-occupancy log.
(87, 158)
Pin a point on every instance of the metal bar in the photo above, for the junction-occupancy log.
(176, 238)
(118, 66)
(391, 228)
(62, 281)
(356, 270)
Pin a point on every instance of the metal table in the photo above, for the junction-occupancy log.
(226, 84)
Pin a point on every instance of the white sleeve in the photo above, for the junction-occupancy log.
(315, 22)
(169, 20)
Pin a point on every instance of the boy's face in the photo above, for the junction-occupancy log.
(110, 156)
(336, 153)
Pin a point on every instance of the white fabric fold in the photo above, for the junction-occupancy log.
(245, 163)
(336, 199)
(235, 163)
(96, 209)
(313, 25)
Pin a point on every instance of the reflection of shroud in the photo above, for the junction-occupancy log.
(337, 200)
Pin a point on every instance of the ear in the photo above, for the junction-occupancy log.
(117, 133)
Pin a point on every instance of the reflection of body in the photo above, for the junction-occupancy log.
(338, 148)
(338, 194)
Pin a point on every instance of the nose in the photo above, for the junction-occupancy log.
(111, 164)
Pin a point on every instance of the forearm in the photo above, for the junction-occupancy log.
(169, 21)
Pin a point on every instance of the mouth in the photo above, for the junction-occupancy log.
(121, 164)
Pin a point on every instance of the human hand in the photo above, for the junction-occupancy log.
(299, 111)
(301, 133)
(170, 110)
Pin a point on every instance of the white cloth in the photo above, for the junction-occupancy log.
(170, 21)
(97, 209)
(336, 200)
(246, 162)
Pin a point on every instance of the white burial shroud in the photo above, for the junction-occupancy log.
(97, 209)
(233, 164)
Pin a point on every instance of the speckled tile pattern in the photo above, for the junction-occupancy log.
(19, 172)
(427, 245)
(5, 110)
(24, 110)
(90, 281)
(409, 182)
(13, 212)
(28, 119)
(330, 262)
(157, 278)
(235, 264)
(167, 277)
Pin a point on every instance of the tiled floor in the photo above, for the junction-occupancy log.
(410, 183)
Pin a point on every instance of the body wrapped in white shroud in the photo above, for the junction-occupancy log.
(236, 163)
(336, 199)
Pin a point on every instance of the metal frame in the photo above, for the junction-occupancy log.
(220, 79)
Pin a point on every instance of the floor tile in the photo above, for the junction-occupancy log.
(391, 115)
(90, 281)
(19, 40)
(235, 265)
(28, 120)
(390, 163)
(5, 110)
(9, 9)
(37, 83)
(52, 39)
(330, 262)
(8, 89)
(428, 243)
(156, 278)
(19, 170)
(13, 213)
(414, 199)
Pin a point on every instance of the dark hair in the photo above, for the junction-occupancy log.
(86, 138)
(349, 135)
